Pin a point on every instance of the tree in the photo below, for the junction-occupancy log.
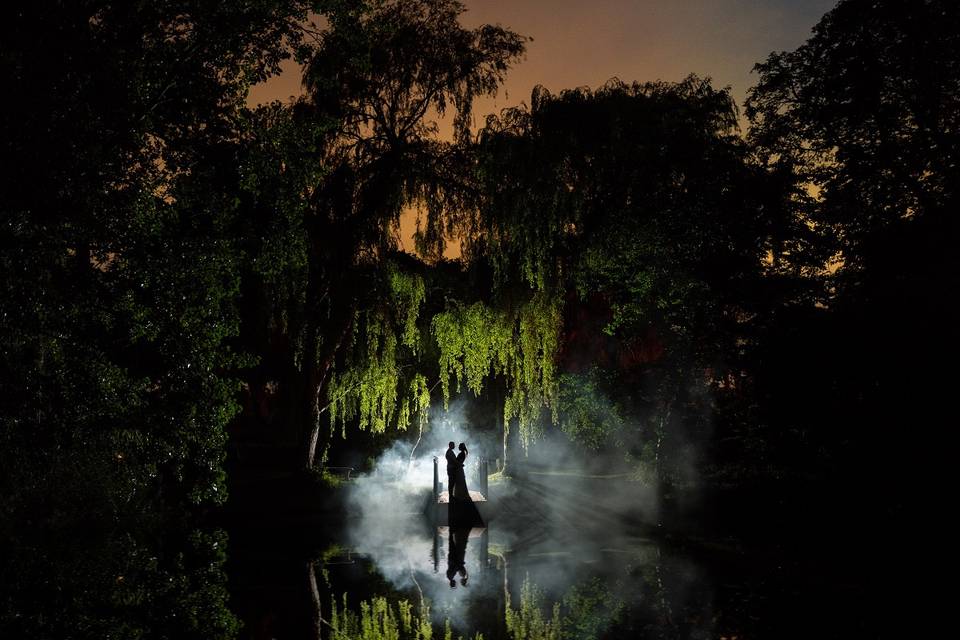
(118, 284)
(119, 271)
(641, 196)
(374, 77)
(866, 111)
(864, 114)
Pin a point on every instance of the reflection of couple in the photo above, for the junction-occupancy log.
(456, 553)
(461, 508)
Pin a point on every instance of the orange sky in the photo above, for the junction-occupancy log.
(585, 43)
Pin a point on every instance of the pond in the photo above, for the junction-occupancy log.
(560, 559)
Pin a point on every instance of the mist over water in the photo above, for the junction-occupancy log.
(402, 476)
(561, 527)
(574, 531)
(388, 524)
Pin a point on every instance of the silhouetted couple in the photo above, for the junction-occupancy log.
(462, 511)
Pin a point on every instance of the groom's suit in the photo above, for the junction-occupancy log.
(452, 466)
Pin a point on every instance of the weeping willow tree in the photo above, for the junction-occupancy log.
(375, 76)
(639, 194)
(639, 201)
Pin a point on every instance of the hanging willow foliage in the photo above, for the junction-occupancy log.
(408, 293)
(415, 403)
(474, 342)
(367, 387)
(478, 341)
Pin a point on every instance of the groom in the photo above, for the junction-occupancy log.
(452, 465)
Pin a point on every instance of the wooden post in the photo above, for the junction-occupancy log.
(484, 550)
(484, 473)
(436, 481)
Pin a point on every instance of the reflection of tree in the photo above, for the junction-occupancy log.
(316, 612)
(650, 592)
(527, 622)
(379, 620)
(591, 609)
(120, 584)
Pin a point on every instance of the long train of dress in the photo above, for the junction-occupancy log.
(463, 512)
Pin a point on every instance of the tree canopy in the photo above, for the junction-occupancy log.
(190, 282)
(866, 111)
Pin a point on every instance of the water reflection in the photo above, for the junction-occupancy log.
(575, 576)
(457, 548)
(569, 571)
(523, 583)
(142, 578)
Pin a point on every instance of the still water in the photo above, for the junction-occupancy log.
(561, 558)
(542, 568)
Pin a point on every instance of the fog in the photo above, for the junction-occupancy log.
(558, 522)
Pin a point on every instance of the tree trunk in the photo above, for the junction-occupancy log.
(501, 424)
(506, 433)
(665, 485)
(316, 613)
(310, 420)
(314, 381)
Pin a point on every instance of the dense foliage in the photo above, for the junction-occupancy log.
(639, 201)
(119, 268)
(864, 114)
(186, 277)
(376, 78)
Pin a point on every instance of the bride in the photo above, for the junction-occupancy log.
(463, 512)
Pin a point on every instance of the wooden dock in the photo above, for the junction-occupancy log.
(444, 497)
(438, 510)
